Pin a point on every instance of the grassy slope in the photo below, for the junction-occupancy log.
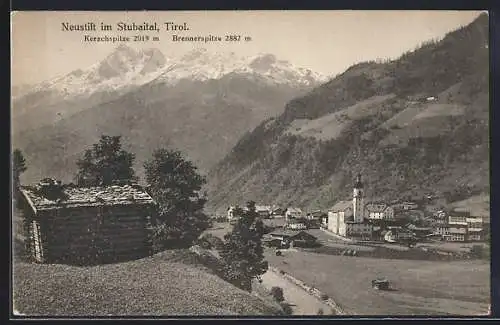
(422, 288)
(169, 283)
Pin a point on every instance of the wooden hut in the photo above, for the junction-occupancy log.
(295, 238)
(86, 224)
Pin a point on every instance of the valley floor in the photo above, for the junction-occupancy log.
(420, 287)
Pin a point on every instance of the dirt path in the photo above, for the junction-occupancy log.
(301, 302)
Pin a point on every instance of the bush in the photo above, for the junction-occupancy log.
(209, 241)
(277, 294)
(286, 308)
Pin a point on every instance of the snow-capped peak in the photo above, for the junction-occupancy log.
(123, 68)
(200, 64)
(126, 67)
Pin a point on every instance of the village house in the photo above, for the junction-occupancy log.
(379, 211)
(486, 225)
(457, 233)
(442, 229)
(230, 213)
(440, 215)
(264, 211)
(459, 227)
(293, 213)
(65, 223)
(475, 229)
(315, 215)
(296, 225)
(324, 222)
(278, 212)
(394, 234)
(405, 205)
(458, 218)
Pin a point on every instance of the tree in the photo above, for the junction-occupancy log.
(277, 293)
(105, 162)
(242, 251)
(18, 166)
(175, 185)
(287, 309)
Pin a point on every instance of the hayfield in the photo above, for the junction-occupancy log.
(169, 283)
(420, 287)
(330, 126)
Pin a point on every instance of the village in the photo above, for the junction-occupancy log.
(395, 222)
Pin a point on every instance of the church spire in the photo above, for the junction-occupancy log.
(358, 183)
(357, 200)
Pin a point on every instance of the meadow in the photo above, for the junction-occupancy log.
(418, 287)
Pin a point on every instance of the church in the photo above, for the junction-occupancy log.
(347, 218)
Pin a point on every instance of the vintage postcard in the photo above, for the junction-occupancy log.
(262, 163)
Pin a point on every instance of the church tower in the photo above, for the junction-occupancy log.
(357, 200)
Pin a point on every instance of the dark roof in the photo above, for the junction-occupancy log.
(341, 206)
(317, 213)
(88, 196)
(376, 206)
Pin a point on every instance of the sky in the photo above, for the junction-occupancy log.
(327, 42)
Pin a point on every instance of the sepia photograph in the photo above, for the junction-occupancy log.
(250, 163)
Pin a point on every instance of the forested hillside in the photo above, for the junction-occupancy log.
(414, 126)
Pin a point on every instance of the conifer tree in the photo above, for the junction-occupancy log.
(242, 251)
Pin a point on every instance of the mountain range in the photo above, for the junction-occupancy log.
(414, 127)
(200, 103)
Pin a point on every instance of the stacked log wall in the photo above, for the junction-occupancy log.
(97, 233)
